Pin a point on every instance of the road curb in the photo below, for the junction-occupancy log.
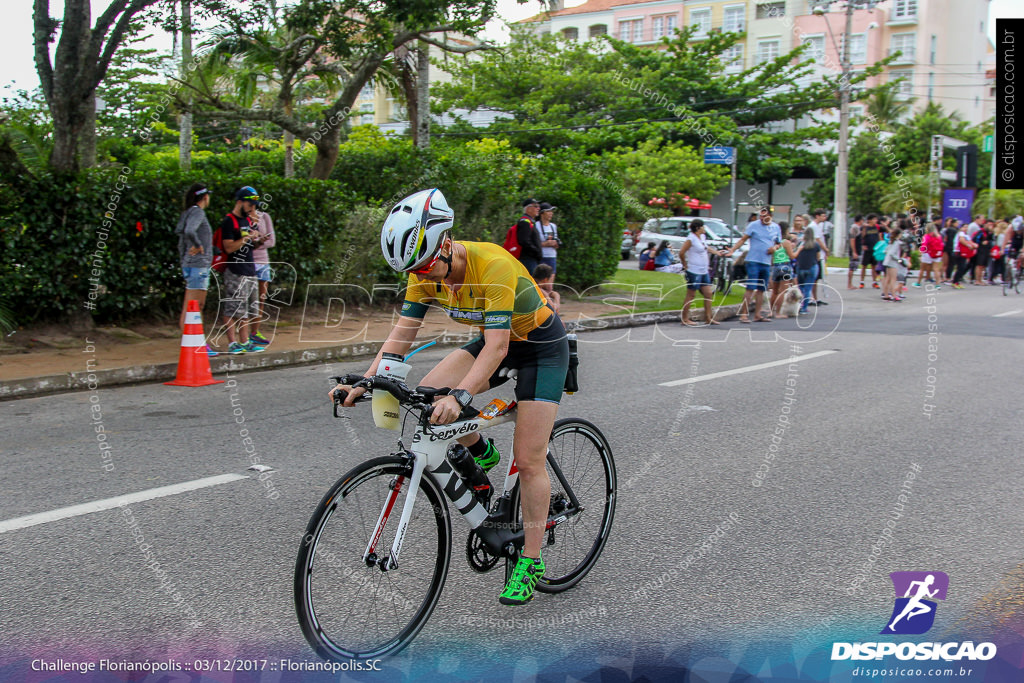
(142, 374)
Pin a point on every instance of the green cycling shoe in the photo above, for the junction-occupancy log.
(520, 586)
(490, 457)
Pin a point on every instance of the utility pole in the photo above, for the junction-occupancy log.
(842, 168)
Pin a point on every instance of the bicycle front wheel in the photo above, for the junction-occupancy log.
(583, 457)
(349, 608)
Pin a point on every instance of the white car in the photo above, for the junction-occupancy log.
(675, 229)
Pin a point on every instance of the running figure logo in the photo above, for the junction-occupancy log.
(914, 612)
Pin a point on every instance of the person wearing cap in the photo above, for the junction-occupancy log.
(241, 301)
(549, 242)
(195, 247)
(530, 250)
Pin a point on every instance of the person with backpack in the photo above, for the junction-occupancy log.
(195, 247)
(241, 301)
(522, 240)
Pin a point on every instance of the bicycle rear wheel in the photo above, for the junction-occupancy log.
(1008, 276)
(349, 608)
(581, 453)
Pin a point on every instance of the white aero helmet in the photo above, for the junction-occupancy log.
(415, 229)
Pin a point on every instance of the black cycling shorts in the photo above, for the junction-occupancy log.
(541, 361)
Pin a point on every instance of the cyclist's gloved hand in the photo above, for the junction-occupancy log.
(446, 410)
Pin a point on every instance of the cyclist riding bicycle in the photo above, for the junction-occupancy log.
(484, 286)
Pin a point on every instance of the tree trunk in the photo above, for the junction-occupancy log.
(289, 155)
(423, 95)
(87, 140)
(289, 147)
(185, 119)
(326, 155)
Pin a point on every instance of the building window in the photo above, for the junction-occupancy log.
(904, 9)
(366, 106)
(734, 16)
(367, 91)
(771, 10)
(858, 48)
(732, 58)
(657, 27)
(767, 50)
(631, 30)
(816, 48)
(906, 87)
(572, 33)
(931, 85)
(932, 57)
(905, 43)
(598, 30)
(701, 20)
(670, 25)
(366, 118)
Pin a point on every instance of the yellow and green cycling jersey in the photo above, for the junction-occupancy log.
(497, 294)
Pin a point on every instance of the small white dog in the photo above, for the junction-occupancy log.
(791, 299)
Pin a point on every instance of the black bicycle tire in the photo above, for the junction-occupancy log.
(556, 585)
(304, 609)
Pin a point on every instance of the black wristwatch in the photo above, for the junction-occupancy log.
(462, 396)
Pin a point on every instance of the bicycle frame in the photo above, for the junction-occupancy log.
(429, 446)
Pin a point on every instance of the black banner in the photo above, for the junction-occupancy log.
(1009, 125)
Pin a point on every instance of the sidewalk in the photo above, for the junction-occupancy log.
(40, 363)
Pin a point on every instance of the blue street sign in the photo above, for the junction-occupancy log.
(719, 155)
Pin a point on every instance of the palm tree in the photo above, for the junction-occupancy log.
(886, 106)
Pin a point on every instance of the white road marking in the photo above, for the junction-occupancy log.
(749, 368)
(1003, 315)
(111, 503)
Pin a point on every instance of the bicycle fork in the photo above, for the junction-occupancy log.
(461, 496)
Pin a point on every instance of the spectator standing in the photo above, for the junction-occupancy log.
(806, 265)
(871, 234)
(195, 248)
(818, 225)
(964, 249)
(782, 269)
(855, 249)
(931, 256)
(544, 276)
(694, 256)
(530, 251)
(241, 302)
(891, 263)
(949, 250)
(549, 242)
(998, 249)
(266, 238)
(765, 240)
(983, 238)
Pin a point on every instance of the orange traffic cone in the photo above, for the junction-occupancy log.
(193, 363)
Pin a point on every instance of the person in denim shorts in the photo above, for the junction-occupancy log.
(765, 240)
(195, 246)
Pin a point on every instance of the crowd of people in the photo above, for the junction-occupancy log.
(238, 249)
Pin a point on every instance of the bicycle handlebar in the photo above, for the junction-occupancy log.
(418, 398)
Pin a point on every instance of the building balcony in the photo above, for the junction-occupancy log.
(904, 20)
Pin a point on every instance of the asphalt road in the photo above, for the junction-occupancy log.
(721, 541)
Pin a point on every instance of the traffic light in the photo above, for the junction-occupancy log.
(967, 166)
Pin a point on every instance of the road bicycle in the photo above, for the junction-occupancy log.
(1012, 273)
(366, 583)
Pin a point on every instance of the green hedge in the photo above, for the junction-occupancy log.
(328, 230)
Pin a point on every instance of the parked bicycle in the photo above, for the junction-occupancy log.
(366, 584)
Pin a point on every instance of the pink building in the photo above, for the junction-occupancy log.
(866, 39)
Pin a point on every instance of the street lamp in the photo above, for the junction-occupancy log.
(839, 243)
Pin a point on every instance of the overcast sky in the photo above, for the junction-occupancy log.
(18, 69)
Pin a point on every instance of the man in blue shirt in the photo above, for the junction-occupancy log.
(765, 237)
